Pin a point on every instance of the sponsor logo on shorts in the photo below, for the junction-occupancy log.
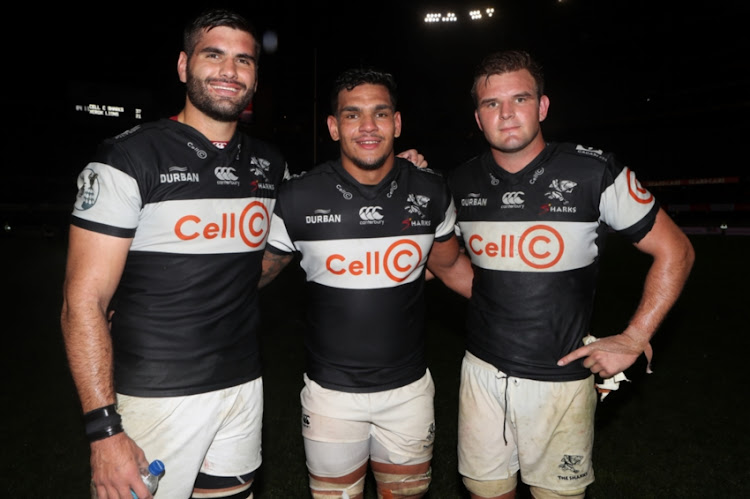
(305, 420)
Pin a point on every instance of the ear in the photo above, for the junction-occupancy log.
(333, 127)
(397, 124)
(476, 117)
(182, 67)
(543, 107)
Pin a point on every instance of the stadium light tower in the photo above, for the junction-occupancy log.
(458, 15)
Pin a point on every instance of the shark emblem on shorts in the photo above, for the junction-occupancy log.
(569, 463)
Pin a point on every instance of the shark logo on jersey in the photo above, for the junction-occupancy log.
(559, 189)
(259, 167)
(88, 189)
(416, 203)
(494, 180)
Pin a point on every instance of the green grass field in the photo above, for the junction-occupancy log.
(677, 433)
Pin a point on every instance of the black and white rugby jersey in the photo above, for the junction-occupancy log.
(186, 310)
(363, 249)
(534, 239)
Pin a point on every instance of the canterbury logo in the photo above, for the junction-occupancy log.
(513, 198)
(225, 173)
(370, 213)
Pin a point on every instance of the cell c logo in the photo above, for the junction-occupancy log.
(400, 258)
(636, 190)
(541, 247)
(254, 223)
(398, 262)
(251, 226)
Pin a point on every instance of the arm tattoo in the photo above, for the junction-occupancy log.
(272, 266)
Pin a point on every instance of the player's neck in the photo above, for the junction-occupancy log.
(368, 177)
(215, 131)
(514, 162)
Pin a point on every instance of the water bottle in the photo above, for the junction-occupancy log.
(155, 470)
(151, 479)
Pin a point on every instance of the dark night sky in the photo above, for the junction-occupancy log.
(664, 87)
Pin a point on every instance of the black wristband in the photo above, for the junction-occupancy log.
(102, 423)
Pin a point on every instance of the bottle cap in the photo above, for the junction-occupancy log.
(156, 467)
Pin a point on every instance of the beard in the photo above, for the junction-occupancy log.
(371, 165)
(223, 110)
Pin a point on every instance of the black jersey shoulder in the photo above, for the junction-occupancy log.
(167, 138)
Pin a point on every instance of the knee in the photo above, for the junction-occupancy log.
(403, 485)
(321, 489)
(490, 488)
(540, 493)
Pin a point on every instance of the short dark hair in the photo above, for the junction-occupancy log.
(215, 18)
(506, 62)
(352, 78)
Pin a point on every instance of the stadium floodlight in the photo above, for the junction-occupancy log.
(452, 17)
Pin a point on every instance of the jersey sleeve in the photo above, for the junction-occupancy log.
(108, 198)
(447, 227)
(625, 205)
(279, 240)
